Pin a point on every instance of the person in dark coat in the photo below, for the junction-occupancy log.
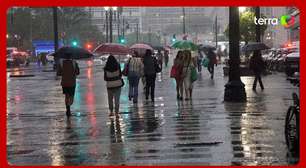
(114, 82)
(257, 65)
(150, 64)
(212, 61)
(68, 69)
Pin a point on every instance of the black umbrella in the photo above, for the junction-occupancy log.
(254, 46)
(73, 52)
(206, 47)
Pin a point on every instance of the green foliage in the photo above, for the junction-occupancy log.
(73, 24)
(247, 27)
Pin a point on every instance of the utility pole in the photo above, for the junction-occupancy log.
(258, 33)
(184, 21)
(149, 35)
(137, 32)
(56, 59)
(55, 28)
(106, 25)
(234, 89)
(110, 26)
(216, 31)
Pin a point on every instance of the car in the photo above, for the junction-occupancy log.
(292, 63)
(50, 57)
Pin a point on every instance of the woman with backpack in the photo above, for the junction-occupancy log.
(114, 82)
(135, 72)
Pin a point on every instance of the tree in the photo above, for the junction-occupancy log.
(248, 27)
(75, 23)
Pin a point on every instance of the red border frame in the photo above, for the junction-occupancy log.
(9, 3)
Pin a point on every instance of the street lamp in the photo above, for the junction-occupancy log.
(109, 11)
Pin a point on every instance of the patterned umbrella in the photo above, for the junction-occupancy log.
(185, 45)
(112, 48)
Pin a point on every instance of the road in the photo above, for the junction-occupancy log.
(204, 131)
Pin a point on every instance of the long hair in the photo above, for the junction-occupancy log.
(179, 55)
(187, 57)
(148, 53)
(112, 64)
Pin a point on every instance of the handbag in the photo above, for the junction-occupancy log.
(173, 72)
(205, 62)
(194, 75)
(157, 67)
(125, 71)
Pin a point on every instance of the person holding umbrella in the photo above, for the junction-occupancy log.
(68, 68)
(257, 65)
(150, 65)
(212, 61)
(256, 62)
(135, 72)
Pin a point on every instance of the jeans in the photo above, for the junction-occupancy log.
(150, 85)
(114, 94)
(133, 86)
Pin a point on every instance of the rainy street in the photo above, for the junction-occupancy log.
(204, 131)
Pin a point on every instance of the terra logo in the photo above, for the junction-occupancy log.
(285, 21)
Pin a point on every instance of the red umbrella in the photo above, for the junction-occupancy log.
(141, 48)
(112, 48)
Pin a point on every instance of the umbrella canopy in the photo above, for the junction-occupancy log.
(74, 52)
(141, 48)
(254, 46)
(185, 45)
(112, 48)
(159, 48)
(206, 47)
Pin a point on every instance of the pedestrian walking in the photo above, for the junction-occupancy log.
(199, 60)
(166, 56)
(68, 68)
(212, 61)
(220, 54)
(176, 72)
(188, 65)
(159, 57)
(150, 70)
(257, 65)
(134, 74)
(114, 82)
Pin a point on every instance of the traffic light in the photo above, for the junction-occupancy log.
(173, 38)
(88, 46)
(74, 43)
(121, 40)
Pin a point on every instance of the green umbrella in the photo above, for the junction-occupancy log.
(185, 45)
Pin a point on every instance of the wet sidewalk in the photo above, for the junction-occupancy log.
(204, 131)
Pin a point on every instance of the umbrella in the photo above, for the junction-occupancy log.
(112, 48)
(141, 48)
(74, 52)
(206, 47)
(254, 46)
(185, 45)
(161, 48)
